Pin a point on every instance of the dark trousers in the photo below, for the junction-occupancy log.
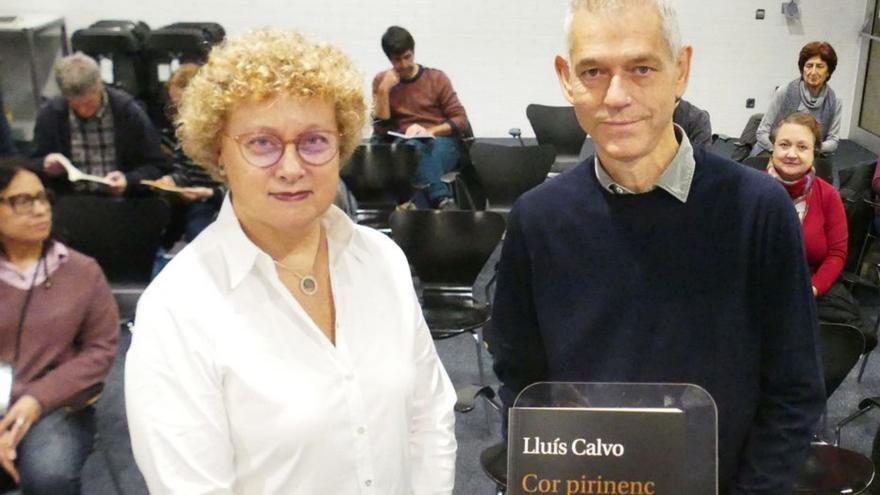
(190, 219)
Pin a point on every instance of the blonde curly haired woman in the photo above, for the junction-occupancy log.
(284, 350)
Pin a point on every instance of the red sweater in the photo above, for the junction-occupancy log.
(825, 235)
(427, 99)
(70, 334)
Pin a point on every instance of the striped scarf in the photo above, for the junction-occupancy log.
(798, 190)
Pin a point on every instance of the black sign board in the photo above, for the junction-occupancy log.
(596, 451)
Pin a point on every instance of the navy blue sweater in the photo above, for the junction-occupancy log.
(643, 288)
(138, 154)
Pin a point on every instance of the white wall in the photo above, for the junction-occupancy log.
(499, 53)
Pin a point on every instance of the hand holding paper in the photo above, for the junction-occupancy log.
(74, 174)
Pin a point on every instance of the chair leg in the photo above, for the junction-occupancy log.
(861, 258)
(862, 367)
(478, 342)
(463, 195)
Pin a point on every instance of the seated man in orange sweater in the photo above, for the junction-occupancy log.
(419, 103)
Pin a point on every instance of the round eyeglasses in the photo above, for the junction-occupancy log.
(263, 149)
(23, 204)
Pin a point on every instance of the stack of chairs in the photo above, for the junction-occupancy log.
(177, 43)
(121, 43)
(138, 55)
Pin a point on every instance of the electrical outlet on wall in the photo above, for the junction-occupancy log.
(750, 103)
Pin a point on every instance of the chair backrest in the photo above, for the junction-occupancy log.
(750, 131)
(506, 172)
(447, 248)
(186, 44)
(213, 30)
(122, 234)
(380, 175)
(122, 43)
(140, 29)
(842, 346)
(855, 187)
(557, 126)
(588, 149)
(756, 162)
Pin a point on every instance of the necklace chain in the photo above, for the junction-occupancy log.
(308, 284)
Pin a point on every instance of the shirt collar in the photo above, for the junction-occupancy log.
(676, 179)
(241, 255)
(55, 255)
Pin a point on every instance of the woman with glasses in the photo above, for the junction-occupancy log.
(284, 349)
(58, 337)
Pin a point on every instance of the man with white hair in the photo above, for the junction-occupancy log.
(102, 130)
(655, 261)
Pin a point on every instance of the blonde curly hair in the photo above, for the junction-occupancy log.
(259, 66)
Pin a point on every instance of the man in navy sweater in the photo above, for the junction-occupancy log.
(658, 262)
(102, 130)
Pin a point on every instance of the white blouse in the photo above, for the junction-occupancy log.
(232, 389)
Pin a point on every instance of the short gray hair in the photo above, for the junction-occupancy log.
(77, 74)
(668, 17)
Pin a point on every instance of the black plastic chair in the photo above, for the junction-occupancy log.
(756, 162)
(213, 31)
(506, 172)
(123, 235)
(183, 42)
(380, 178)
(122, 43)
(447, 249)
(830, 468)
(558, 126)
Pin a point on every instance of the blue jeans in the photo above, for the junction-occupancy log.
(436, 157)
(53, 452)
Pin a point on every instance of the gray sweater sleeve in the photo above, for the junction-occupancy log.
(832, 137)
(763, 132)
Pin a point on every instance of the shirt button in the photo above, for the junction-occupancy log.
(361, 430)
(368, 482)
(349, 378)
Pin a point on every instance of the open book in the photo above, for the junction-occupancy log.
(164, 187)
(74, 174)
(404, 136)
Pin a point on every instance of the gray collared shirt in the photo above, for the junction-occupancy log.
(676, 179)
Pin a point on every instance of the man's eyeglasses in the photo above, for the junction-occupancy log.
(262, 149)
(23, 204)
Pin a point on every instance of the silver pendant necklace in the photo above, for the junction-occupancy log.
(308, 284)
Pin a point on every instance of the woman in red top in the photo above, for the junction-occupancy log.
(796, 140)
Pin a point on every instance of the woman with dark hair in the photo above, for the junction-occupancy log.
(58, 337)
(796, 142)
(809, 93)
